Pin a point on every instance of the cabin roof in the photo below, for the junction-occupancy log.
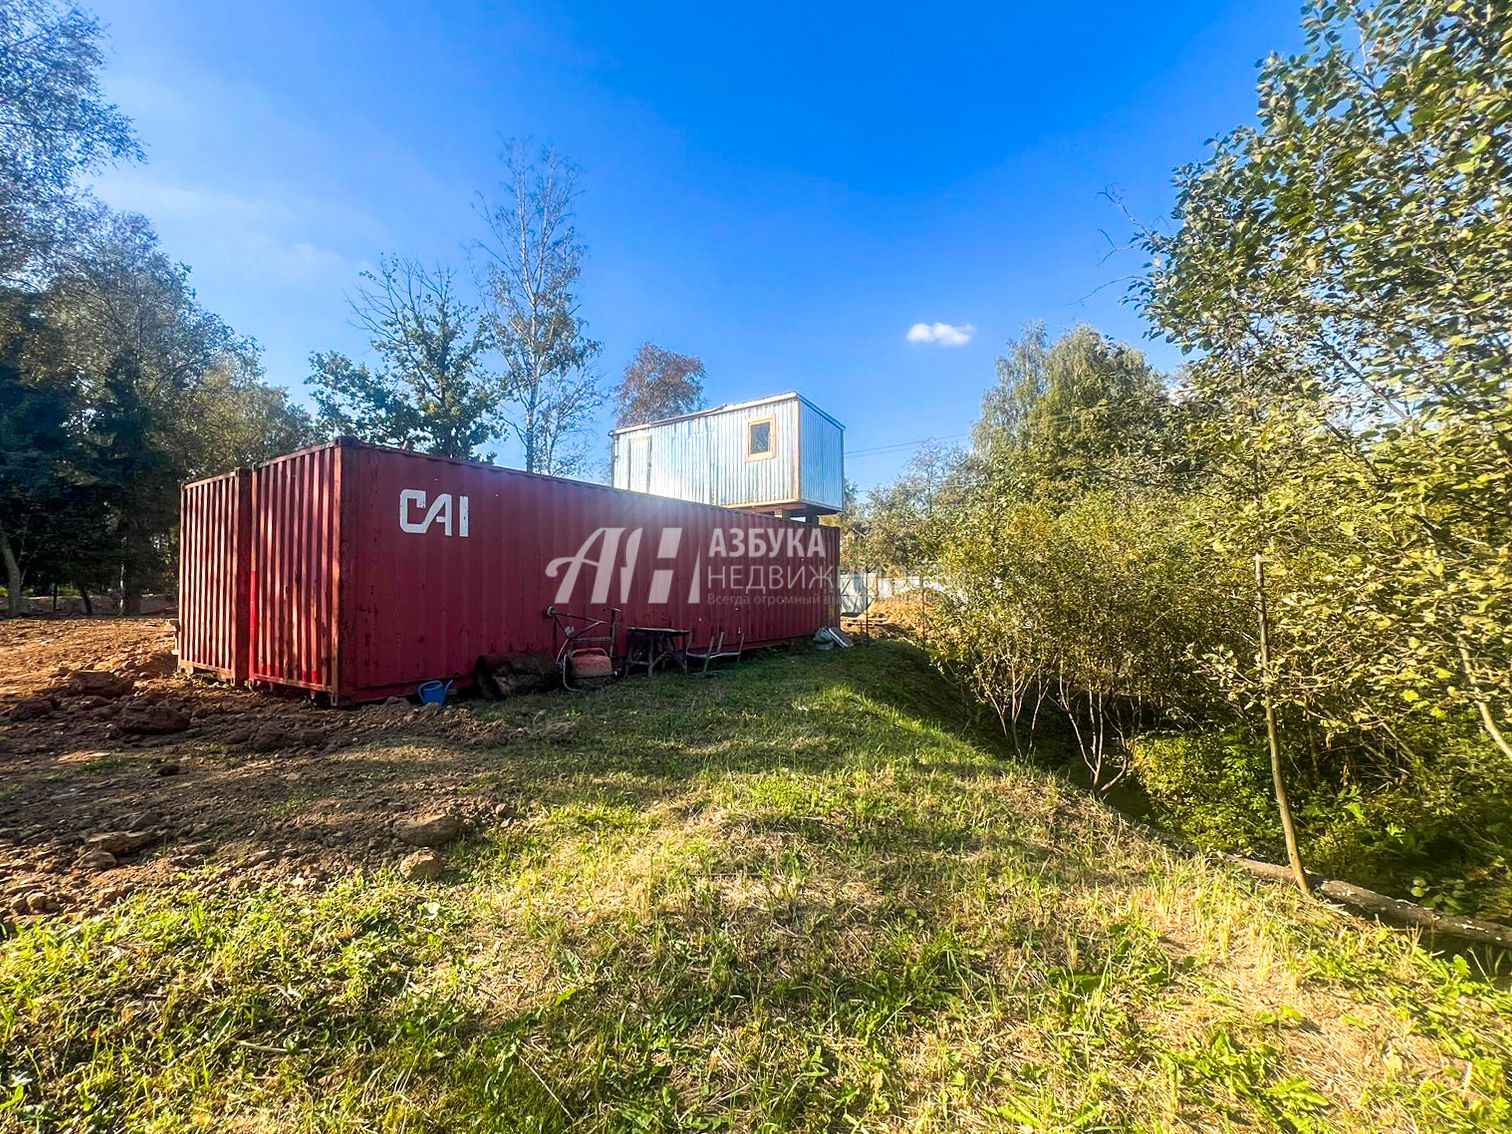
(728, 408)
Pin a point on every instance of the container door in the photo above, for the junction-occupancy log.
(640, 462)
(215, 571)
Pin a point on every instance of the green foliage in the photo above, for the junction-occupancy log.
(1007, 404)
(1338, 454)
(243, 420)
(904, 525)
(120, 386)
(1080, 415)
(1088, 616)
(1077, 582)
(1441, 834)
(55, 127)
(1088, 612)
(430, 388)
(1211, 787)
(1438, 835)
(658, 384)
(1344, 268)
(52, 511)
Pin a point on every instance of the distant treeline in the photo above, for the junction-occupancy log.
(115, 383)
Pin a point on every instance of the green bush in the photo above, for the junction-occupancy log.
(1442, 838)
(1213, 788)
(1441, 835)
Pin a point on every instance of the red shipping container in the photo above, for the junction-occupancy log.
(373, 570)
(215, 556)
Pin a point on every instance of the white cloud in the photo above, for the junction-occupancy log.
(278, 237)
(945, 334)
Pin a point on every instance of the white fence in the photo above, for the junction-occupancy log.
(859, 589)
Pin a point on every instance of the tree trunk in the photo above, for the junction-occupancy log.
(136, 548)
(1283, 801)
(15, 597)
(84, 594)
(1482, 706)
(131, 596)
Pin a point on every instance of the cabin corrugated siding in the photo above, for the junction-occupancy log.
(821, 458)
(704, 458)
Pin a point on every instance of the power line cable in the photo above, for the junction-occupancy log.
(899, 446)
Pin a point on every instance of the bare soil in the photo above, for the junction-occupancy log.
(257, 787)
(900, 616)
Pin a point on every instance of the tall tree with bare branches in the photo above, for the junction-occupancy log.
(531, 263)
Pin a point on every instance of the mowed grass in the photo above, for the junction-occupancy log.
(800, 895)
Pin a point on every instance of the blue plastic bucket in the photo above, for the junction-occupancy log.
(434, 692)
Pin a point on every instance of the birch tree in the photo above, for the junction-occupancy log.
(532, 261)
(658, 384)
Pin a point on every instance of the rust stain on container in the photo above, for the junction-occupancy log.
(373, 569)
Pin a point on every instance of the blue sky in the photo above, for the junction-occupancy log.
(782, 190)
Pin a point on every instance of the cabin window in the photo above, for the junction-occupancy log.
(759, 439)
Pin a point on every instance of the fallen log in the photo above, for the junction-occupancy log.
(1386, 908)
(1395, 909)
(1357, 899)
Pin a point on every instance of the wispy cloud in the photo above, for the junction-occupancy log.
(267, 236)
(942, 334)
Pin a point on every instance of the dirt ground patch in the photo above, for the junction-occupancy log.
(900, 616)
(105, 747)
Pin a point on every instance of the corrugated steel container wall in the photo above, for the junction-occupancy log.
(296, 531)
(428, 563)
(215, 549)
(703, 457)
(821, 458)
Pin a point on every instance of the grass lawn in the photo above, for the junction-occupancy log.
(799, 895)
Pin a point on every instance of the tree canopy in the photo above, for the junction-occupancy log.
(121, 386)
(657, 384)
(1344, 270)
(1065, 418)
(430, 387)
(55, 125)
(1288, 569)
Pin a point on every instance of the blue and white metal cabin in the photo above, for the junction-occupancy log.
(781, 455)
